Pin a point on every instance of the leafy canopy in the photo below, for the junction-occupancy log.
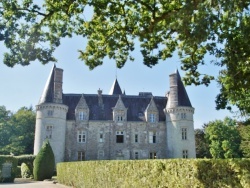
(194, 28)
(224, 138)
(17, 131)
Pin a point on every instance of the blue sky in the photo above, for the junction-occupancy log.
(23, 86)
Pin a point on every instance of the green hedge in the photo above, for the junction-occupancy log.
(156, 173)
(13, 161)
(28, 160)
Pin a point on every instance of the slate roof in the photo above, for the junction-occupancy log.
(183, 99)
(115, 89)
(48, 92)
(136, 106)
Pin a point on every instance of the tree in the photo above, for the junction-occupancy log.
(244, 130)
(22, 139)
(197, 28)
(44, 163)
(224, 138)
(17, 131)
(202, 145)
(5, 130)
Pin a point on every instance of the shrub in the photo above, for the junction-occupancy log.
(44, 163)
(25, 171)
(28, 160)
(182, 173)
(9, 160)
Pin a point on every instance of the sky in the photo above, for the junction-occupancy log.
(23, 85)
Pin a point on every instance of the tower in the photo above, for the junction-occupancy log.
(51, 116)
(179, 121)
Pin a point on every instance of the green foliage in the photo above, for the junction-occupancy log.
(25, 171)
(17, 131)
(28, 160)
(18, 172)
(32, 31)
(180, 173)
(245, 140)
(224, 138)
(13, 162)
(44, 163)
(201, 143)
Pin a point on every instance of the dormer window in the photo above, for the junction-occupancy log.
(119, 112)
(81, 116)
(151, 118)
(120, 118)
(82, 110)
(151, 112)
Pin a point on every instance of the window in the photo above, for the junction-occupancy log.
(100, 154)
(81, 156)
(119, 118)
(101, 137)
(136, 155)
(136, 138)
(81, 116)
(152, 137)
(151, 118)
(185, 154)
(50, 113)
(81, 136)
(119, 137)
(152, 155)
(49, 131)
(184, 133)
(183, 115)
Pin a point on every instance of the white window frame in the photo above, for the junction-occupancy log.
(152, 118)
(49, 131)
(81, 115)
(81, 155)
(152, 137)
(185, 154)
(120, 118)
(81, 136)
(183, 115)
(152, 155)
(184, 133)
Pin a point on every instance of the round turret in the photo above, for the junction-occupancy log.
(51, 125)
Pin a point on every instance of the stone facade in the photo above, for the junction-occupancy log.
(115, 126)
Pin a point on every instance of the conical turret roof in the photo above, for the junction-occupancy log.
(177, 95)
(48, 91)
(183, 99)
(115, 89)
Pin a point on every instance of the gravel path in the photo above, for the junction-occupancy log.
(28, 183)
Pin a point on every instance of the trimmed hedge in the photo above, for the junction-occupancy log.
(13, 161)
(180, 173)
(44, 163)
(28, 160)
(25, 171)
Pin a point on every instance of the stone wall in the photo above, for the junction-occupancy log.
(107, 147)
